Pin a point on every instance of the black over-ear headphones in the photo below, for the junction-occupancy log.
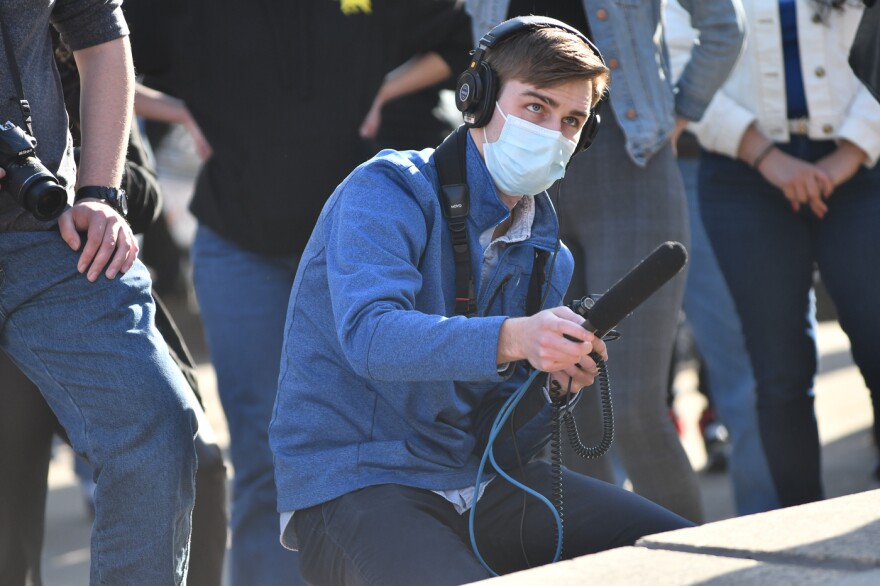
(477, 88)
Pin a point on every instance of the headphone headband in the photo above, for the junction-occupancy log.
(510, 27)
(477, 88)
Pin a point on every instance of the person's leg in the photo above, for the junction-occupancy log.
(243, 301)
(848, 241)
(26, 429)
(27, 422)
(386, 535)
(766, 255)
(516, 531)
(93, 351)
(209, 521)
(87, 486)
(615, 213)
(718, 335)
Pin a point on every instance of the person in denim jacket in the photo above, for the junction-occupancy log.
(625, 198)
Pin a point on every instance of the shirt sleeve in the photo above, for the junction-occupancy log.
(719, 25)
(861, 125)
(86, 23)
(723, 125)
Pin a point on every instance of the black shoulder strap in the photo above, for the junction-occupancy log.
(450, 158)
(534, 299)
(455, 202)
(23, 104)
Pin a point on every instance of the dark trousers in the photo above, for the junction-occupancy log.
(768, 254)
(27, 426)
(392, 534)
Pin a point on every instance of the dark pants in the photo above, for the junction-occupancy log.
(27, 426)
(767, 254)
(612, 214)
(391, 534)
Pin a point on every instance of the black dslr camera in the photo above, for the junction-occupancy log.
(32, 185)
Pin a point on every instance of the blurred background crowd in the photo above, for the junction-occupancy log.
(250, 113)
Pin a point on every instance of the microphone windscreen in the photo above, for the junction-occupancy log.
(636, 286)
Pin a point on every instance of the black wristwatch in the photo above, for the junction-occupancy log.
(114, 197)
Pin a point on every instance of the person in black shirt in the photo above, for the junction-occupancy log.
(279, 89)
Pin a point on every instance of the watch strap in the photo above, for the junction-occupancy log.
(113, 196)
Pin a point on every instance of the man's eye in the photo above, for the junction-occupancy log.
(534, 107)
(571, 121)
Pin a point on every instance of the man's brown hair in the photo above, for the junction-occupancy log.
(546, 57)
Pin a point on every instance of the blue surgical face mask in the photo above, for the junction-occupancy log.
(527, 158)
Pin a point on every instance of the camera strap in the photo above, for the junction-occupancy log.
(450, 159)
(16, 76)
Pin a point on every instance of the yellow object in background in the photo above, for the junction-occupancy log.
(352, 6)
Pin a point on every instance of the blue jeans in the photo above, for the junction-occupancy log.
(767, 254)
(27, 427)
(94, 352)
(718, 335)
(243, 301)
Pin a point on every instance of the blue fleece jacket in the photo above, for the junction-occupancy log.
(380, 381)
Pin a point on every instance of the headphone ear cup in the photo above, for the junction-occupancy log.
(475, 95)
(468, 90)
(591, 129)
(486, 107)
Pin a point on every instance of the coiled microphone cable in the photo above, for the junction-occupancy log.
(562, 414)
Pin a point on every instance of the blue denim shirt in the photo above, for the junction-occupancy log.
(629, 33)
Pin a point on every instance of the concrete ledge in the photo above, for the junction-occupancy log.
(844, 531)
(636, 566)
(830, 542)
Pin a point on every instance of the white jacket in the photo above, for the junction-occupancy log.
(838, 103)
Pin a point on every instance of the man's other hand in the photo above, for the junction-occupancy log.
(109, 238)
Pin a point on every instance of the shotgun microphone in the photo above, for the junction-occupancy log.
(633, 289)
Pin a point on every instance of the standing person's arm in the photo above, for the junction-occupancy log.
(420, 72)
(729, 128)
(107, 89)
(106, 101)
(155, 105)
(720, 29)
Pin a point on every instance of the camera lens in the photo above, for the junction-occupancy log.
(45, 199)
(35, 188)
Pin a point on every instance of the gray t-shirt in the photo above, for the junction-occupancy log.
(82, 24)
